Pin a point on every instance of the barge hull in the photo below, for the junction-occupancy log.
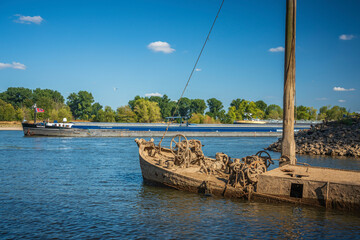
(123, 133)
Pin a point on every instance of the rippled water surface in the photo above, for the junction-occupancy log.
(85, 188)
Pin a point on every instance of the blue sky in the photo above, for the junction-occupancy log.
(109, 49)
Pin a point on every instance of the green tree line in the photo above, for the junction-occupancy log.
(16, 104)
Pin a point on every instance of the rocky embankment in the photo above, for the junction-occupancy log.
(339, 138)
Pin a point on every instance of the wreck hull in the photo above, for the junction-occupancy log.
(160, 175)
(322, 188)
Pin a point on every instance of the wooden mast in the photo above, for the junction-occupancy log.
(288, 140)
(34, 106)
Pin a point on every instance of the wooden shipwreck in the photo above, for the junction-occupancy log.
(184, 166)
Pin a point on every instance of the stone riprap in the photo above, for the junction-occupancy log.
(338, 138)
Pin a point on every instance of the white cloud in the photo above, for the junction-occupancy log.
(342, 101)
(321, 99)
(341, 89)
(198, 69)
(277, 49)
(14, 65)
(153, 94)
(160, 46)
(346, 37)
(28, 19)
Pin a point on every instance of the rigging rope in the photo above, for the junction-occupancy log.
(192, 72)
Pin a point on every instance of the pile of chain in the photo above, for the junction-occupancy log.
(244, 173)
(240, 173)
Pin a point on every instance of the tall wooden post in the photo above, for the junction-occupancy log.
(288, 141)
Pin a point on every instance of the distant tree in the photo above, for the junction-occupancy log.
(231, 114)
(80, 104)
(223, 117)
(60, 114)
(242, 109)
(184, 107)
(109, 114)
(312, 113)
(215, 107)
(19, 114)
(332, 113)
(28, 103)
(55, 96)
(147, 111)
(197, 106)
(169, 110)
(254, 111)
(302, 113)
(305, 113)
(100, 117)
(132, 102)
(95, 108)
(236, 103)
(7, 111)
(47, 104)
(238, 108)
(336, 113)
(64, 112)
(125, 114)
(209, 120)
(274, 111)
(16, 96)
(261, 105)
(322, 112)
(27, 113)
(196, 118)
(53, 115)
(273, 114)
(167, 106)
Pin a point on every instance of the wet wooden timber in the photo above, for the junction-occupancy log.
(327, 187)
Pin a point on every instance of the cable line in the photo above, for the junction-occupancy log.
(192, 72)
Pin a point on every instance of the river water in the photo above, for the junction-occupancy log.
(92, 188)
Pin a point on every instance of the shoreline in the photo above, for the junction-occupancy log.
(10, 126)
(11, 129)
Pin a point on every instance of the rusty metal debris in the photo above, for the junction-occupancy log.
(239, 173)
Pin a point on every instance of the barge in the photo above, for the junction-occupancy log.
(96, 129)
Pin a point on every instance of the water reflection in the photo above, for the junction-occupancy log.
(228, 218)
